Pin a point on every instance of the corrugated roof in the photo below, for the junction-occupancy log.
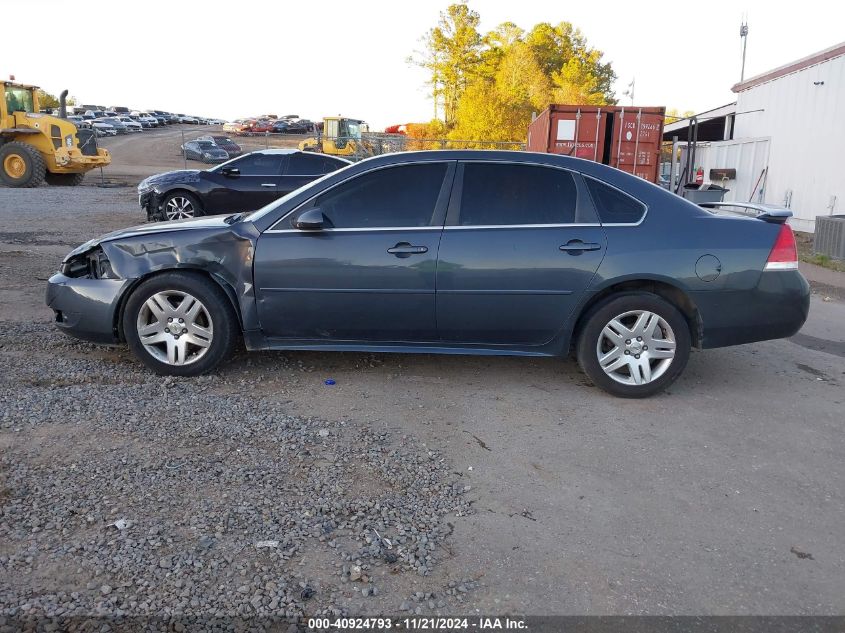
(811, 60)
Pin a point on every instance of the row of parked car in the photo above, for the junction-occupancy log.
(290, 124)
(154, 117)
(111, 123)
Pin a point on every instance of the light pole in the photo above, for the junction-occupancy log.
(630, 91)
(743, 34)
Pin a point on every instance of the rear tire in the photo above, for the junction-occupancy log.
(64, 180)
(202, 340)
(634, 345)
(21, 165)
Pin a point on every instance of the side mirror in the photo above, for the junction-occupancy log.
(310, 220)
(231, 172)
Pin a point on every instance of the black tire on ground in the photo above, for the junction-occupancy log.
(601, 315)
(225, 327)
(195, 210)
(64, 180)
(21, 165)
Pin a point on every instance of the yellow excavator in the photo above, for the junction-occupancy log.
(341, 136)
(37, 147)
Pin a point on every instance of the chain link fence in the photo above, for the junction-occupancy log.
(201, 146)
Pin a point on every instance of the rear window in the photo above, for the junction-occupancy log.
(613, 206)
(311, 165)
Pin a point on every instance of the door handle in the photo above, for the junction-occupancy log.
(405, 249)
(267, 184)
(576, 247)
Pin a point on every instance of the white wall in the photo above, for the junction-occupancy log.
(749, 156)
(806, 127)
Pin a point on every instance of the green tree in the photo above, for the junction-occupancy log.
(451, 56)
(47, 100)
(576, 69)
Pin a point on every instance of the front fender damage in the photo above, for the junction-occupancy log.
(226, 255)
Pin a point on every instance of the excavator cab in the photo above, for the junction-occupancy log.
(341, 136)
(37, 147)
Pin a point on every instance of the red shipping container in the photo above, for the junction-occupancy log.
(625, 137)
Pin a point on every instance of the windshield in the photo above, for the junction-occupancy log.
(353, 129)
(18, 100)
(205, 144)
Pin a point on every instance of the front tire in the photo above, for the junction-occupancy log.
(180, 205)
(634, 345)
(21, 165)
(180, 324)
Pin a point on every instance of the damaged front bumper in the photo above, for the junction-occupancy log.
(87, 308)
(150, 201)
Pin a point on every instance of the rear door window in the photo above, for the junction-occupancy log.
(502, 194)
(260, 165)
(613, 206)
(311, 165)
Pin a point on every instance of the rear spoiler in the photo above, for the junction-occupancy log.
(765, 212)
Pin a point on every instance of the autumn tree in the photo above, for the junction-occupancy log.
(495, 82)
(672, 115)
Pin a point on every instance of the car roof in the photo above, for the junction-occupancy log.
(278, 150)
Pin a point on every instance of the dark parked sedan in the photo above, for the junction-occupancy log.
(447, 252)
(245, 183)
(224, 143)
(206, 151)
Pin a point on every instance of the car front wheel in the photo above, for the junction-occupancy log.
(634, 345)
(180, 205)
(180, 324)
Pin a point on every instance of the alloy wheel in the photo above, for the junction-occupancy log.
(636, 347)
(179, 208)
(175, 327)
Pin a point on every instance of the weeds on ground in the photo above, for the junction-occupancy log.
(804, 241)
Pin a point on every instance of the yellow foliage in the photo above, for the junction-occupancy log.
(490, 86)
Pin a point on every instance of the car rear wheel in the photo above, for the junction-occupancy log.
(180, 324)
(180, 205)
(634, 345)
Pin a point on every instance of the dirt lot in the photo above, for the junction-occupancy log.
(501, 484)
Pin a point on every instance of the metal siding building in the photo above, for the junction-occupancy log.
(802, 113)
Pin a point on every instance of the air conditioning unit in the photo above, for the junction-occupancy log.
(829, 238)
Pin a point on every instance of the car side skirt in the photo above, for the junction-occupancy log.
(398, 348)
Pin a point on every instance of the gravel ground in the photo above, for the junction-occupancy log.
(189, 502)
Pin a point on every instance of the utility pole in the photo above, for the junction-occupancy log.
(630, 91)
(743, 35)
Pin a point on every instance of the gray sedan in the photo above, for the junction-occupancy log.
(205, 151)
(446, 252)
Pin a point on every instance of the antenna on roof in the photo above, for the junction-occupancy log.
(743, 35)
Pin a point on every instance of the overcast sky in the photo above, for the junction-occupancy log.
(327, 57)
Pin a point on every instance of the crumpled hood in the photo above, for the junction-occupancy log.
(168, 177)
(203, 223)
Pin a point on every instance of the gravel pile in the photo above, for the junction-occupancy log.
(125, 494)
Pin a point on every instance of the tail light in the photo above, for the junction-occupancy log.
(784, 255)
